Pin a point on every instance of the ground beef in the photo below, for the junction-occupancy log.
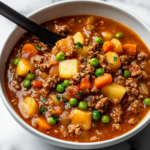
(44, 92)
(143, 76)
(117, 113)
(86, 42)
(76, 78)
(142, 56)
(53, 110)
(15, 84)
(119, 73)
(94, 139)
(124, 59)
(120, 80)
(63, 29)
(43, 46)
(95, 90)
(35, 38)
(90, 69)
(116, 126)
(92, 50)
(40, 62)
(132, 121)
(103, 104)
(75, 129)
(51, 82)
(131, 82)
(136, 106)
(100, 103)
(82, 67)
(66, 46)
(115, 101)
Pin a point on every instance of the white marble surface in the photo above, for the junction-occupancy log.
(12, 135)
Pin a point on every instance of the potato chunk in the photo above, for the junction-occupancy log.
(107, 36)
(55, 100)
(68, 68)
(28, 107)
(23, 67)
(118, 46)
(83, 118)
(113, 60)
(83, 51)
(113, 90)
(78, 37)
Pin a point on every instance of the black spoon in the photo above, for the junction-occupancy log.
(44, 34)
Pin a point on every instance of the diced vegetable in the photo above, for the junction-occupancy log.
(78, 37)
(43, 125)
(54, 60)
(83, 51)
(54, 70)
(119, 35)
(60, 56)
(73, 101)
(60, 88)
(85, 83)
(66, 82)
(29, 50)
(56, 99)
(105, 119)
(103, 80)
(113, 91)
(113, 60)
(43, 75)
(147, 101)
(68, 68)
(52, 120)
(130, 49)
(27, 83)
(23, 67)
(107, 36)
(91, 20)
(99, 72)
(108, 46)
(94, 62)
(118, 46)
(126, 73)
(16, 61)
(37, 83)
(99, 40)
(28, 107)
(143, 88)
(83, 105)
(95, 115)
(84, 118)
(30, 76)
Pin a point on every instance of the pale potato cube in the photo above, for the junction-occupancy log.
(55, 100)
(78, 37)
(28, 107)
(23, 67)
(107, 35)
(84, 118)
(113, 90)
(113, 60)
(118, 46)
(83, 51)
(68, 68)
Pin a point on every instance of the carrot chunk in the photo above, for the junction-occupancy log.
(37, 83)
(130, 49)
(108, 46)
(85, 83)
(103, 80)
(43, 124)
(29, 50)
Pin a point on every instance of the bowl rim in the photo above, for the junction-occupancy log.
(59, 142)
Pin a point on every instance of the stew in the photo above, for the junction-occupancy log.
(92, 86)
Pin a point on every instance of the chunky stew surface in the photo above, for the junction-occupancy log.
(92, 86)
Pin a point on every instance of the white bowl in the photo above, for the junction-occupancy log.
(66, 8)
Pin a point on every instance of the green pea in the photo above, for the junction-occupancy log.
(99, 72)
(27, 83)
(66, 83)
(99, 40)
(30, 76)
(73, 101)
(82, 105)
(60, 56)
(105, 119)
(94, 62)
(119, 35)
(16, 61)
(52, 120)
(147, 101)
(96, 115)
(126, 73)
(60, 88)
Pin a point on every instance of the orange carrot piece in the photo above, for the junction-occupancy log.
(37, 83)
(85, 83)
(29, 50)
(130, 49)
(108, 46)
(43, 124)
(103, 80)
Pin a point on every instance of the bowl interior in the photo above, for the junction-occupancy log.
(75, 8)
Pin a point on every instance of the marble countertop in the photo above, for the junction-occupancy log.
(12, 135)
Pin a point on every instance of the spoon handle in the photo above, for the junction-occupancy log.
(44, 34)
